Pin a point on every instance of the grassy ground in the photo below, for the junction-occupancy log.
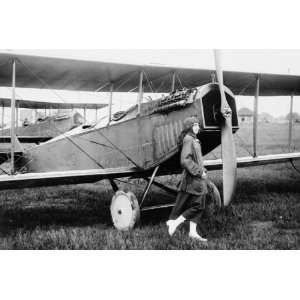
(265, 214)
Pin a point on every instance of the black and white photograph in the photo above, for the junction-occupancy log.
(149, 149)
(145, 149)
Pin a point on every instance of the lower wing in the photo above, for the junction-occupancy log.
(94, 175)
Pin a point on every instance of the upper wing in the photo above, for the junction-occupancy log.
(33, 104)
(73, 74)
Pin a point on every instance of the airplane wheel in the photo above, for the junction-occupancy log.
(215, 202)
(125, 210)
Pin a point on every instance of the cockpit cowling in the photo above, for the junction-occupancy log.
(210, 100)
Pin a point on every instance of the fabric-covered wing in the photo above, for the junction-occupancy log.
(32, 104)
(94, 175)
(84, 75)
(250, 161)
(65, 177)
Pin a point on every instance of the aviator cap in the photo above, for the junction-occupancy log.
(189, 122)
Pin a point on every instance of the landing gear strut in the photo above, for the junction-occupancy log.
(125, 209)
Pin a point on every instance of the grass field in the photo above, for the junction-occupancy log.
(265, 213)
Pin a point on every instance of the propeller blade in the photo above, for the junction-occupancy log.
(228, 146)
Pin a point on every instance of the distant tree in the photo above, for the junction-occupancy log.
(244, 111)
(265, 117)
(295, 117)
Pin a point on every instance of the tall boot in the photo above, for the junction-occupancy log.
(173, 224)
(194, 234)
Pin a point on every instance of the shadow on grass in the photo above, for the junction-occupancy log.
(64, 206)
(12, 219)
(87, 205)
(214, 224)
(53, 207)
(67, 211)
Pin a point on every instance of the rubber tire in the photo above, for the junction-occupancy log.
(135, 210)
(214, 202)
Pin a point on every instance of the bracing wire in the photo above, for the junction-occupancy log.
(214, 155)
(293, 165)
(130, 76)
(243, 144)
(179, 80)
(236, 134)
(71, 140)
(119, 150)
(42, 81)
(149, 82)
(62, 133)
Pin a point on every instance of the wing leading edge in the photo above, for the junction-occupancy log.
(84, 75)
(32, 104)
(94, 175)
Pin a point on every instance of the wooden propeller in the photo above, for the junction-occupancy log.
(228, 146)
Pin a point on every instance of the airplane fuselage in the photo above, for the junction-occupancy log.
(145, 140)
(47, 127)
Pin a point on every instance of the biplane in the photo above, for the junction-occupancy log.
(57, 117)
(140, 142)
(44, 126)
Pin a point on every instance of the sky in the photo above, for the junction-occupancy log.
(271, 61)
(268, 61)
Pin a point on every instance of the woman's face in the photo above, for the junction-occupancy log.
(196, 128)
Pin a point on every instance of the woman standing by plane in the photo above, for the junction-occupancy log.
(193, 189)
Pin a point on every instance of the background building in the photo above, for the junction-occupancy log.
(245, 115)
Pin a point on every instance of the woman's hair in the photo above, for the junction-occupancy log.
(187, 127)
(183, 133)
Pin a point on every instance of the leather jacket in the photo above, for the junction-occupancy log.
(192, 163)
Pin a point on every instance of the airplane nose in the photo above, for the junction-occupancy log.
(227, 141)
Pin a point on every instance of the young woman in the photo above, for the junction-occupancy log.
(193, 189)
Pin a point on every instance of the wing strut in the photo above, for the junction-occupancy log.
(110, 102)
(291, 123)
(173, 81)
(140, 95)
(149, 185)
(12, 126)
(255, 117)
(164, 187)
(2, 118)
(84, 114)
(17, 117)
